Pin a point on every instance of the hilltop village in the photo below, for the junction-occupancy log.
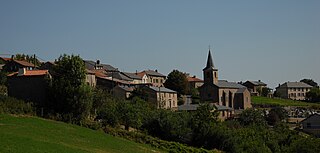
(177, 112)
(27, 81)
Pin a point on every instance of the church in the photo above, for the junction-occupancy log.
(229, 97)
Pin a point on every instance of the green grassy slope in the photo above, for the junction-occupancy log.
(32, 134)
(280, 102)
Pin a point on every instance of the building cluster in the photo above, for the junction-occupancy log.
(28, 82)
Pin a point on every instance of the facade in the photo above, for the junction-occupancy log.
(293, 90)
(163, 97)
(15, 65)
(28, 85)
(312, 125)
(254, 86)
(229, 95)
(122, 92)
(91, 78)
(154, 77)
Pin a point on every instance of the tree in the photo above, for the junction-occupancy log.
(70, 96)
(313, 95)
(177, 81)
(276, 115)
(310, 82)
(252, 117)
(265, 91)
(30, 59)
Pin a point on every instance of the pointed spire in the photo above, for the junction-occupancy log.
(209, 61)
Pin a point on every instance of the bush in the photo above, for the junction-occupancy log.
(12, 105)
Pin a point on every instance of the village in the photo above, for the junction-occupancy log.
(27, 81)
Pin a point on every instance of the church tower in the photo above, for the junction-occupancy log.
(210, 73)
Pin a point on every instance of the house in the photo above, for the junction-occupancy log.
(91, 78)
(311, 124)
(136, 79)
(107, 82)
(122, 92)
(224, 111)
(223, 93)
(91, 65)
(15, 65)
(194, 82)
(3, 61)
(255, 87)
(162, 97)
(28, 85)
(293, 90)
(47, 66)
(154, 77)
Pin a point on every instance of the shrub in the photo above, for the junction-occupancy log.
(12, 105)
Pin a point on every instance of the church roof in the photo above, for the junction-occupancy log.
(226, 84)
(209, 61)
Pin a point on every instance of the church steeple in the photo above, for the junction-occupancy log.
(209, 61)
(210, 73)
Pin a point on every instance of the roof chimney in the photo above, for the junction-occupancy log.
(259, 80)
(98, 61)
(156, 70)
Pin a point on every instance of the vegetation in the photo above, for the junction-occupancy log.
(31, 59)
(177, 81)
(265, 101)
(310, 82)
(70, 97)
(313, 95)
(32, 134)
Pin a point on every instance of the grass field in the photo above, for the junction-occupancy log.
(32, 134)
(280, 102)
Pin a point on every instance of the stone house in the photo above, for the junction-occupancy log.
(122, 92)
(154, 77)
(230, 95)
(293, 90)
(254, 87)
(136, 79)
(28, 85)
(311, 125)
(163, 97)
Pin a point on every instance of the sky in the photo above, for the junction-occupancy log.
(272, 41)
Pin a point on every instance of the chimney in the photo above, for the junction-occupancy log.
(156, 70)
(98, 61)
(22, 71)
(12, 56)
(259, 80)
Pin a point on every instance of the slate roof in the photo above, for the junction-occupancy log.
(193, 107)
(126, 88)
(222, 108)
(92, 64)
(241, 90)
(257, 83)
(226, 84)
(132, 75)
(120, 76)
(161, 89)
(296, 85)
(151, 73)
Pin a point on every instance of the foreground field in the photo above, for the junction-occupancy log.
(280, 102)
(32, 134)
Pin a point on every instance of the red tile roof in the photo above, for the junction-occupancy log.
(31, 73)
(194, 79)
(5, 58)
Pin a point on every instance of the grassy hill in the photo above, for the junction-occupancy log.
(32, 134)
(280, 102)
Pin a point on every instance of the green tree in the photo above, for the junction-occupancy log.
(70, 96)
(252, 117)
(310, 82)
(276, 115)
(177, 81)
(31, 59)
(313, 95)
(265, 91)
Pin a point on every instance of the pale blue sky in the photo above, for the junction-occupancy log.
(274, 41)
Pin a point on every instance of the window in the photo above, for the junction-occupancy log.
(302, 89)
(298, 94)
(302, 94)
(298, 89)
(294, 89)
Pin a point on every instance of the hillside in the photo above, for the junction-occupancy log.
(32, 134)
(280, 102)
